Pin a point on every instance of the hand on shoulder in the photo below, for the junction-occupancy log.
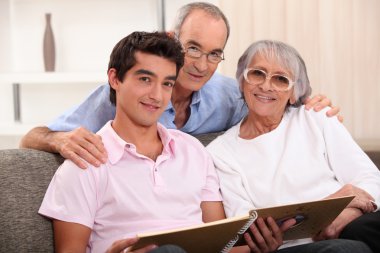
(81, 146)
(319, 102)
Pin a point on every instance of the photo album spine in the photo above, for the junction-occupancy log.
(231, 243)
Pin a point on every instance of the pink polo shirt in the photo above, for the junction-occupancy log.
(131, 193)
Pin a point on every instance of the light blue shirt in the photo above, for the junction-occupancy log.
(217, 106)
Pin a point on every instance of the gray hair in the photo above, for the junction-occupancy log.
(209, 8)
(286, 56)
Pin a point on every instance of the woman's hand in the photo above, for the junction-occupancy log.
(266, 236)
(335, 228)
(362, 203)
(363, 200)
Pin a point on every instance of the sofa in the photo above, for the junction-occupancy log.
(24, 177)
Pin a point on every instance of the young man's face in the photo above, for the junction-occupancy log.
(146, 89)
(207, 34)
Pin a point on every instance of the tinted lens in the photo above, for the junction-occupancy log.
(280, 82)
(256, 76)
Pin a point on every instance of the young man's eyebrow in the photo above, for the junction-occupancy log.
(150, 73)
(193, 42)
(173, 78)
(144, 72)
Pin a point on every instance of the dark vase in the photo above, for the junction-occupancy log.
(49, 46)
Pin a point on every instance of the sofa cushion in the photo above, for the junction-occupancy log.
(24, 177)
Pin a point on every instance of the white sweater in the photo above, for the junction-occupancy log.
(307, 157)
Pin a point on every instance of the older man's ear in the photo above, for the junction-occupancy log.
(170, 34)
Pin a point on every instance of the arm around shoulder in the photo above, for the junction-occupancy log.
(78, 145)
(40, 138)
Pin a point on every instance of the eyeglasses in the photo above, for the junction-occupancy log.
(213, 57)
(258, 76)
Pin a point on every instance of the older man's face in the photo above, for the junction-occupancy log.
(207, 34)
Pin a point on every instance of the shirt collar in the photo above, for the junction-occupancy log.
(167, 139)
(195, 99)
(115, 145)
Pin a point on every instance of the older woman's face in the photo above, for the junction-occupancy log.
(263, 99)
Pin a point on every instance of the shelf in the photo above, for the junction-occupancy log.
(19, 79)
(54, 77)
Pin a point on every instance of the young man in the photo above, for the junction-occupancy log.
(154, 178)
(203, 101)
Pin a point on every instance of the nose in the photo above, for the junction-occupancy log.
(201, 63)
(156, 92)
(266, 85)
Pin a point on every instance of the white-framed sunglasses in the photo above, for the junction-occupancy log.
(257, 76)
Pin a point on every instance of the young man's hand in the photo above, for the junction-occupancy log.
(318, 102)
(121, 245)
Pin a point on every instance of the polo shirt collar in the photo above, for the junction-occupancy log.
(167, 139)
(115, 145)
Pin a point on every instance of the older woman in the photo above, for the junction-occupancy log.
(281, 153)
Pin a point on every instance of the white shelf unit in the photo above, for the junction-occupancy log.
(53, 77)
(18, 80)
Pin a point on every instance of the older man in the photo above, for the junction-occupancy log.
(202, 101)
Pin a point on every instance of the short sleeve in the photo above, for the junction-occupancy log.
(211, 190)
(71, 195)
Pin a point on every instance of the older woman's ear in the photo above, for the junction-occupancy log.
(292, 99)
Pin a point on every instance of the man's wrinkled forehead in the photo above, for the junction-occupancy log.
(195, 31)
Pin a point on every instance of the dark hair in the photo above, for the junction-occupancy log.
(161, 44)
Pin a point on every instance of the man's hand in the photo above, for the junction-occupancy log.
(77, 145)
(80, 144)
(121, 245)
(266, 236)
(335, 228)
(318, 102)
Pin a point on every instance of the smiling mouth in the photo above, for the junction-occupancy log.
(150, 106)
(195, 76)
(265, 98)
